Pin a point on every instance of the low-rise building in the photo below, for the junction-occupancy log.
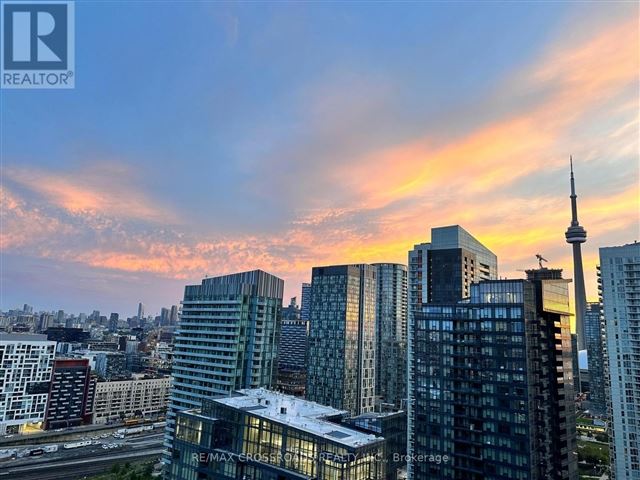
(257, 433)
(140, 397)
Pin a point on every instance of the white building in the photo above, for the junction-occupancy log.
(619, 285)
(128, 398)
(26, 365)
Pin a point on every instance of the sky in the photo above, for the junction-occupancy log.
(206, 138)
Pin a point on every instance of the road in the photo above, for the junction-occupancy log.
(82, 462)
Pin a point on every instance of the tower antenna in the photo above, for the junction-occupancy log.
(576, 235)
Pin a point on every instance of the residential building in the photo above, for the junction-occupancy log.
(391, 334)
(26, 366)
(67, 335)
(491, 383)
(305, 302)
(107, 365)
(227, 339)
(164, 316)
(173, 315)
(142, 396)
(266, 435)
(593, 330)
(342, 343)
(442, 271)
(292, 352)
(619, 283)
(45, 321)
(70, 394)
(113, 322)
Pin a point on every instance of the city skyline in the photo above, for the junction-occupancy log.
(359, 150)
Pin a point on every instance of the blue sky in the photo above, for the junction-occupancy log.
(204, 137)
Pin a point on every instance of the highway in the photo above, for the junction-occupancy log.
(83, 462)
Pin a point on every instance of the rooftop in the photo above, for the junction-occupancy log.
(22, 337)
(300, 414)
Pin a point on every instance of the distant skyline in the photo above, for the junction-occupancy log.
(211, 138)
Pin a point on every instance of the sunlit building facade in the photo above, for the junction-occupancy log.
(259, 434)
(342, 342)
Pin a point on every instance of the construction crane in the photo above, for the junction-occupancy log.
(541, 259)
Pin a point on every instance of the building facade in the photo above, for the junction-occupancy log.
(575, 363)
(391, 334)
(107, 365)
(292, 352)
(619, 283)
(305, 302)
(121, 399)
(258, 434)
(392, 426)
(227, 339)
(492, 386)
(593, 329)
(442, 271)
(342, 343)
(26, 366)
(71, 394)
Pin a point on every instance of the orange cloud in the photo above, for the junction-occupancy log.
(102, 189)
(22, 226)
(575, 80)
(399, 192)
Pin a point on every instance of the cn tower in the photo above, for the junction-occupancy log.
(576, 235)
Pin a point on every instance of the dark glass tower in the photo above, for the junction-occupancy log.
(491, 380)
(595, 358)
(341, 354)
(442, 270)
(305, 301)
(292, 352)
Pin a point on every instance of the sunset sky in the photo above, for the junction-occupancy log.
(209, 138)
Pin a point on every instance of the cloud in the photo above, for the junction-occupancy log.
(102, 188)
(362, 190)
